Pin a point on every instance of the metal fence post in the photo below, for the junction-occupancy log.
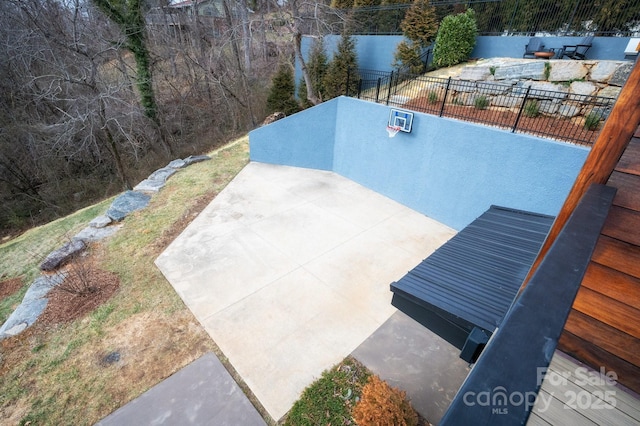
(359, 88)
(444, 100)
(389, 90)
(378, 90)
(515, 10)
(524, 101)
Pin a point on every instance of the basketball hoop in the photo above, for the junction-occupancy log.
(393, 130)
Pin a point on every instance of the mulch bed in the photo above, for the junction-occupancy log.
(10, 286)
(65, 306)
(554, 127)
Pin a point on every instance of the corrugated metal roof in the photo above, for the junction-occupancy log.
(475, 276)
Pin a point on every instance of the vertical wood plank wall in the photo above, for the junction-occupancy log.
(603, 329)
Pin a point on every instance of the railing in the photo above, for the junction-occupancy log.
(493, 17)
(518, 107)
(509, 372)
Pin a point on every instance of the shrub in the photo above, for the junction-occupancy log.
(456, 39)
(592, 121)
(432, 97)
(547, 70)
(330, 399)
(481, 102)
(282, 90)
(382, 405)
(532, 109)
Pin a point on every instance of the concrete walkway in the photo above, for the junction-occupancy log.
(202, 393)
(288, 269)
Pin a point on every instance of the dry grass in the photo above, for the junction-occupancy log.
(59, 374)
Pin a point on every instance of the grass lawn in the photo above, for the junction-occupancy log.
(76, 373)
(58, 374)
(331, 398)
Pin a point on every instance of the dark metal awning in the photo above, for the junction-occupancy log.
(473, 278)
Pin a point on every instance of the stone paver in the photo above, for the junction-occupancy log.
(408, 356)
(202, 393)
(288, 269)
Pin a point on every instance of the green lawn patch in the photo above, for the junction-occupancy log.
(331, 398)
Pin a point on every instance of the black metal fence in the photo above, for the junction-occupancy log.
(494, 17)
(519, 107)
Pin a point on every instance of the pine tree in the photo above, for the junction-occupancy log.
(317, 67)
(420, 27)
(407, 56)
(419, 24)
(344, 62)
(281, 94)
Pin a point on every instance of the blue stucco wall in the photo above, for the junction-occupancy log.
(305, 139)
(376, 52)
(449, 170)
(373, 52)
(609, 48)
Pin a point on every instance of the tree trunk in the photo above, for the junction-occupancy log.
(311, 96)
(236, 53)
(297, 45)
(113, 148)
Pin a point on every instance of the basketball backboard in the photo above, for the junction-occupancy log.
(402, 119)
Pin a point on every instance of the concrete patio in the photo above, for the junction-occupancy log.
(288, 270)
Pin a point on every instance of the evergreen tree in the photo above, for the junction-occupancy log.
(317, 67)
(281, 94)
(407, 57)
(344, 62)
(419, 24)
(456, 39)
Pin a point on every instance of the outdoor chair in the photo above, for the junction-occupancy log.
(577, 51)
(535, 45)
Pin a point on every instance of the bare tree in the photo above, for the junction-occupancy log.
(65, 110)
(128, 16)
(313, 18)
(73, 127)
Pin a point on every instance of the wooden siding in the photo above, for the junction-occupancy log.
(603, 329)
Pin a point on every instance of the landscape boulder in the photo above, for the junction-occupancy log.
(126, 203)
(58, 257)
(525, 71)
(273, 117)
(621, 74)
(91, 234)
(100, 221)
(195, 159)
(156, 180)
(32, 306)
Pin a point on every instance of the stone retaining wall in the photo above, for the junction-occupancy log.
(562, 87)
